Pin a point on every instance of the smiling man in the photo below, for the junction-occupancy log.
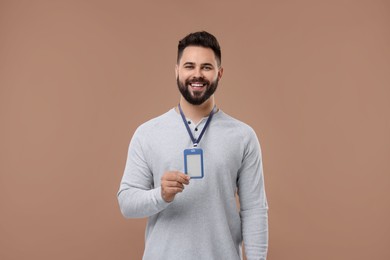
(185, 168)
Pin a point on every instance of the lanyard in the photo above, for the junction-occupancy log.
(196, 141)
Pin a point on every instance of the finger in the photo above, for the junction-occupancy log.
(183, 178)
(176, 176)
(173, 190)
(172, 184)
(170, 176)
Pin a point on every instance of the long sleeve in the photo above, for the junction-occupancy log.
(253, 201)
(137, 195)
(201, 222)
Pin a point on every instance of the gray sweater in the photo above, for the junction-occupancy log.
(204, 221)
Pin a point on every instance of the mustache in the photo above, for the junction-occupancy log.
(200, 80)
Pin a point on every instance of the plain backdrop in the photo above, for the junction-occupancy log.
(77, 77)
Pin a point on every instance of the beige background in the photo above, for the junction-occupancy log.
(77, 77)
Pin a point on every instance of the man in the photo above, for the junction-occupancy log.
(197, 218)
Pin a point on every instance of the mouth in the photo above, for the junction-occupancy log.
(197, 85)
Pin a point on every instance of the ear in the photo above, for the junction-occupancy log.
(220, 73)
(176, 70)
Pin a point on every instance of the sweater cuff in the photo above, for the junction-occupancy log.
(160, 202)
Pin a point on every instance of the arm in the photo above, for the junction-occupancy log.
(137, 195)
(253, 201)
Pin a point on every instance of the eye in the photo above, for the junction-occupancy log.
(188, 66)
(207, 68)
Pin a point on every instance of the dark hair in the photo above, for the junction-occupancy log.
(203, 39)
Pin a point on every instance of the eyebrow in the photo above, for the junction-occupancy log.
(203, 64)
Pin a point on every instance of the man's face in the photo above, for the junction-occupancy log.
(197, 74)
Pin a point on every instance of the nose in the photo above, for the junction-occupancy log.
(198, 73)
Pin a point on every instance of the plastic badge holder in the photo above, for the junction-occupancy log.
(193, 163)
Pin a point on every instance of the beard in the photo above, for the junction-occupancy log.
(197, 97)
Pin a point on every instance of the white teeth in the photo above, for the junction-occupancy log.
(196, 85)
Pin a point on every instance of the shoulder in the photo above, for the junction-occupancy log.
(157, 121)
(245, 135)
(239, 127)
(156, 124)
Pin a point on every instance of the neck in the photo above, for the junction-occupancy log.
(197, 112)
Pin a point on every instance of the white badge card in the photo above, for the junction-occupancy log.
(193, 163)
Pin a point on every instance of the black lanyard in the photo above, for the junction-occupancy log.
(196, 141)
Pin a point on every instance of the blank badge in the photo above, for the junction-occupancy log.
(193, 163)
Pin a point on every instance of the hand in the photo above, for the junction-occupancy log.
(172, 182)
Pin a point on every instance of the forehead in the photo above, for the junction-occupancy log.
(198, 54)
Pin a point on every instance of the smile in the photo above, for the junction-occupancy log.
(197, 85)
